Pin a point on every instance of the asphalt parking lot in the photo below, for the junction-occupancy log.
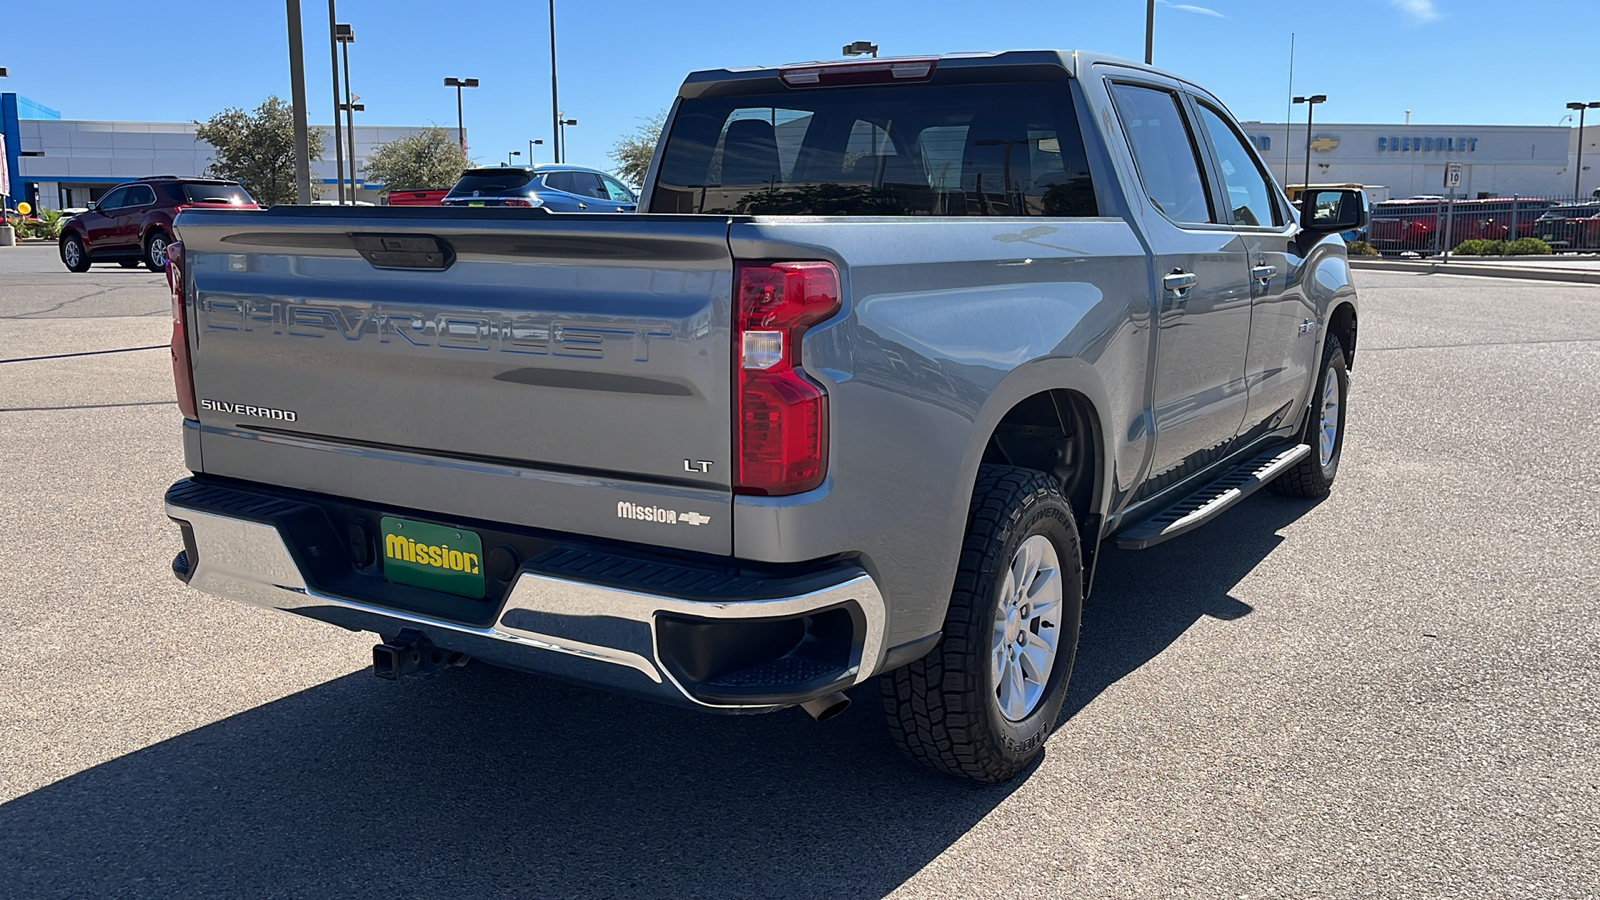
(1392, 693)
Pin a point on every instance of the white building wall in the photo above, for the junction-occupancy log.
(81, 154)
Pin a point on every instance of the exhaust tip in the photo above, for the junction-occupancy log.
(824, 708)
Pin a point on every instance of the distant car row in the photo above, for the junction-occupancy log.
(132, 223)
(1417, 224)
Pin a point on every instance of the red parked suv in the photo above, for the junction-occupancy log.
(132, 223)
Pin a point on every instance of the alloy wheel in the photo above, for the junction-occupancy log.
(1027, 628)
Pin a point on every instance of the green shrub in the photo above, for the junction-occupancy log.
(1361, 248)
(1480, 248)
(1528, 247)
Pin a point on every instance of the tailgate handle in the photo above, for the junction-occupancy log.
(404, 251)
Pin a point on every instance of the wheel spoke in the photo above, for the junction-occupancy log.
(1045, 589)
(1035, 662)
(1018, 707)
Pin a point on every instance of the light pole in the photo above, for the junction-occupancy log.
(1577, 176)
(532, 142)
(555, 96)
(346, 36)
(511, 154)
(461, 128)
(861, 48)
(297, 90)
(333, 52)
(351, 109)
(561, 139)
(1150, 33)
(1311, 107)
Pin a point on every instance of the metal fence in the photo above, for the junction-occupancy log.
(1426, 226)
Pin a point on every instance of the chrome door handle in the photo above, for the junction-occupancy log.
(1264, 273)
(583, 206)
(1179, 282)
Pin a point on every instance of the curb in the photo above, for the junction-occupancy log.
(1575, 276)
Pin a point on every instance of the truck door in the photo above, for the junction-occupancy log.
(1200, 273)
(1283, 324)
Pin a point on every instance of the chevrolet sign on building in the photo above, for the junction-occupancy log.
(1497, 160)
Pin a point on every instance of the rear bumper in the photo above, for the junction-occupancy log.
(726, 638)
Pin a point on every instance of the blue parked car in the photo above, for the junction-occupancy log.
(558, 188)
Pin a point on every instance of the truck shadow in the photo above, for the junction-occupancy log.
(1144, 600)
(489, 783)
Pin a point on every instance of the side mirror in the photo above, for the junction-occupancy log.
(1331, 210)
(93, 205)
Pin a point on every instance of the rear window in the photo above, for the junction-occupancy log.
(900, 150)
(490, 181)
(230, 194)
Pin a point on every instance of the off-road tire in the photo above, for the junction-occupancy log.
(942, 709)
(80, 258)
(1310, 478)
(150, 241)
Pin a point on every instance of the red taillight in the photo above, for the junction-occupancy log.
(782, 439)
(182, 373)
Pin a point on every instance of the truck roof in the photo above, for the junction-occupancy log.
(1069, 61)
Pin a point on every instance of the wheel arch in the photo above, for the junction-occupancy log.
(1342, 325)
(1048, 417)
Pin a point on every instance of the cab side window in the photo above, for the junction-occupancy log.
(114, 200)
(1249, 192)
(1164, 151)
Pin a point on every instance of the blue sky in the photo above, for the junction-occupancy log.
(1448, 61)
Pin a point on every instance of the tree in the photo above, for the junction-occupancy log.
(257, 149)
(429, 159)
(632, 153)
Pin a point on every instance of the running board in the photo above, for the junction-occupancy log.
(1211, 499)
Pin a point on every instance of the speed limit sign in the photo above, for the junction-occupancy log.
(1452, 175)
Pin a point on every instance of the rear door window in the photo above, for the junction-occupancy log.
(899, 150)
(1164, 151)
(140, 195)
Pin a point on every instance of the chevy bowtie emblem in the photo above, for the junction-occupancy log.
(1324, 143)
(693, 518)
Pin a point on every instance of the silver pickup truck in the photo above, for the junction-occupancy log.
(894, 348)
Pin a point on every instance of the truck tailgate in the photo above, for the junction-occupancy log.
(562, 372)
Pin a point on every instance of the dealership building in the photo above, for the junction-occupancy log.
(1409, 160)
(58, 163)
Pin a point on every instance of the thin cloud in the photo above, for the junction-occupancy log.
(1198, 10)
(1420, 12)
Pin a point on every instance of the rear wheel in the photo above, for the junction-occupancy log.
(1313, 476)
(155, 250)
(982, 703)
(73, 255)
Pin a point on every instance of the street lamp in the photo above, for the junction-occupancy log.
(555, 96)
(861, 48)
(531, 143)
(1150, 34)
(1577, 176)
(561, 137)
(511, 154)
(1311, 107)
(461, 129)
(344, 36)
